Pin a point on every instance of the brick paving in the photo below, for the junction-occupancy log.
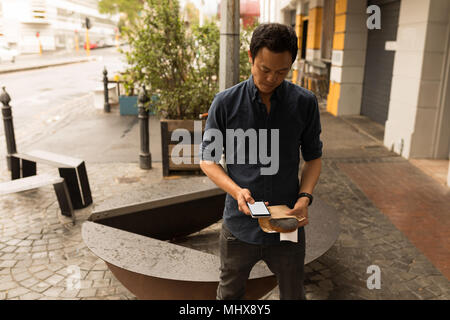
(413, 202)
(438, 169)
(367, 238)
(39, 248)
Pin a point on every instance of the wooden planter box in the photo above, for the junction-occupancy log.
(167, 145)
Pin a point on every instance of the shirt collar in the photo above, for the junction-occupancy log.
(277, 94)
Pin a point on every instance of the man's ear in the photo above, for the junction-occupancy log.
(250, 59)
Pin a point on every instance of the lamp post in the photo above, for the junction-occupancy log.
(8, 125)
(145, 158)
(229, 44)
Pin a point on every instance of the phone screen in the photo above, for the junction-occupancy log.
(258, 209)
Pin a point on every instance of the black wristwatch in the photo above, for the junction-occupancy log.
(307, 195)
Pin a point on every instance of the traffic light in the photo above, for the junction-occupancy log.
(88, 23)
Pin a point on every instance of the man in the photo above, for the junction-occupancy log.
(265, 101)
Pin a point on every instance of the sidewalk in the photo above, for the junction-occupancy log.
(48, 59)
(392, 214)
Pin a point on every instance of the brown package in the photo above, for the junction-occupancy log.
(277, 212)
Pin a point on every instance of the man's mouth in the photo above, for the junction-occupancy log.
(267, 86)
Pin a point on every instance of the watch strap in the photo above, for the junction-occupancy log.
(307, 195)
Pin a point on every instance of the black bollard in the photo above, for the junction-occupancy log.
(106, 106)
(145, 158)
(8, 125)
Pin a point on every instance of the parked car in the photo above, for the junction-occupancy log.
(7, 54)
(91, 46)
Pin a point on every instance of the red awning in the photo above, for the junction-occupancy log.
(248, 8)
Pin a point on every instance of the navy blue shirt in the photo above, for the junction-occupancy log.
(295, 113)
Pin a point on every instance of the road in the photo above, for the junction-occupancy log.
(51, 112)
(36, 92)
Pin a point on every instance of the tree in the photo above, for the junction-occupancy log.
(180, 67)
(178, 63)
(244, 64)
(192, 13)
(129, 8)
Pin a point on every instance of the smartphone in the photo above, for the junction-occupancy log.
(258, 209)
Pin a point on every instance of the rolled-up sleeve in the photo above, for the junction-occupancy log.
(311, 145)
(214, 127)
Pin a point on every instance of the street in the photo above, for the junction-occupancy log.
(47, 104)
(36, 92)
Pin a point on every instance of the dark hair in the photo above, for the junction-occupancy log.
(276, 37)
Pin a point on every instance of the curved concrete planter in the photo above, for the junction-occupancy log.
(130, 240)
(166, 218)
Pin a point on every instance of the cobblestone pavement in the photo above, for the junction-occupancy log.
(39, 247)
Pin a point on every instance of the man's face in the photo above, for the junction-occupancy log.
(269, 69)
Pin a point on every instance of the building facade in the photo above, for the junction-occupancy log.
(386, 59)
(53, 24)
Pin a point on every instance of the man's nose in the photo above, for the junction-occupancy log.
(271, 78)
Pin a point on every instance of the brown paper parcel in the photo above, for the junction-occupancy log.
(277, 212)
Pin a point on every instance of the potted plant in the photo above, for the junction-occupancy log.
(179, 63)
(128, 101)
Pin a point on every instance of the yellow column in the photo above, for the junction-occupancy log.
(299, 32)
(314, 28)
(117, 38)
(77, 46)
(88, 46)
(338, 44)
(339, 24)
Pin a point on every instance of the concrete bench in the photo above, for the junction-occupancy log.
(73, 171)
(37, 181)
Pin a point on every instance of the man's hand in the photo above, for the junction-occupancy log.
(218, 175)
(243, 196)
(300, 210)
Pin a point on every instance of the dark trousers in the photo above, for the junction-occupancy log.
(237, 258)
